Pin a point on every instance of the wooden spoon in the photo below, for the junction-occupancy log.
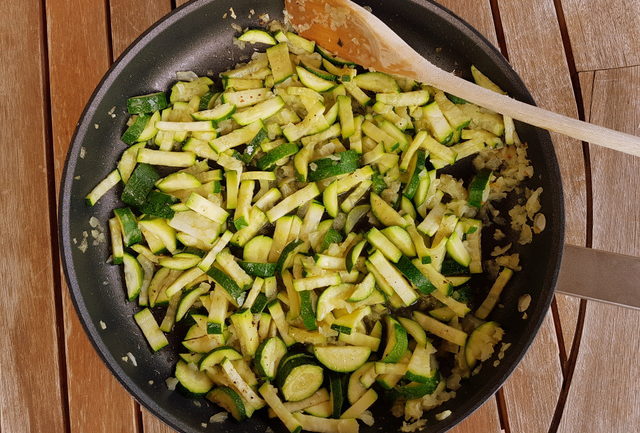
(351, 32)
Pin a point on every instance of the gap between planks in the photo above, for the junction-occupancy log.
(570, 364)
(53, 221)
(543, 31)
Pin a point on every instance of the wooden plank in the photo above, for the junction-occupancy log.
(604, 33)
(153, 424)
(605, 391)
(547, 77)
(567, 306)
(27, 306)
(532, 391)
(549, 81)
(78, 56)
(485, 420)
(128, 21)
(475, 12)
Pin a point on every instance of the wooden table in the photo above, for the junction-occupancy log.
(578, 57)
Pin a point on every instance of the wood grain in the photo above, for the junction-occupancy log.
(27, 305)
(548, 79)
(130, 19)
(78, 56)
(586, 85)
(540, 368)
(485, 420)
(532, 391)
(475, 12)
(152, 424)
(604, 33)
(610, 339)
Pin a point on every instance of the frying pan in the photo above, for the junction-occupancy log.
(197, 37)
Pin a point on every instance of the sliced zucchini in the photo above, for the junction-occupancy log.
(480, 188)
(401, 239)
(247, 332)
(195, 382)
(299, 378)
(404, 99)
(313, 81)
(217, 355)
(339, 163)
(297, 199)
(150, 329)
(269, 393)
(128, 226)
(394, 278)
(457, 250)
(230, 401)
(260, 111)
(481, 342)
(354, 216)
(147, 103)
(338, 61)
(188, 299)
(484, 81)
(317, 424)
(494, 293)
(377, 82)
(347, 324)
(255, 36)
(364, 289)
(413, 274)
(385, 213)
(331, 298)
(441, 330)
(337, 387)
(268, 161)
(268, 356)
(420, 368)
(133, 276)
(280, 62)
(397, 341)
(438, 124)
(355, 388)
(342, 359)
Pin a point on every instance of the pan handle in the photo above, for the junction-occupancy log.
(600, 276)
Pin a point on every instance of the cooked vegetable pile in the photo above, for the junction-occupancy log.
(299, 221)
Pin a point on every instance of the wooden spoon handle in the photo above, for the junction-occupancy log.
(530, 114)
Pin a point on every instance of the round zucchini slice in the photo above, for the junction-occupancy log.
(343, 359)
(193, 381)
(299, 378)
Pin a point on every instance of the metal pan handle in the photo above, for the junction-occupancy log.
(600, 276)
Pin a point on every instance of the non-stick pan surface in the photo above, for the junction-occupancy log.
(197, 37)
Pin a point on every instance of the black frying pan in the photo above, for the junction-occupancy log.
(196, 37)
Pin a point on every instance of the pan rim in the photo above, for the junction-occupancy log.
(64, 211)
